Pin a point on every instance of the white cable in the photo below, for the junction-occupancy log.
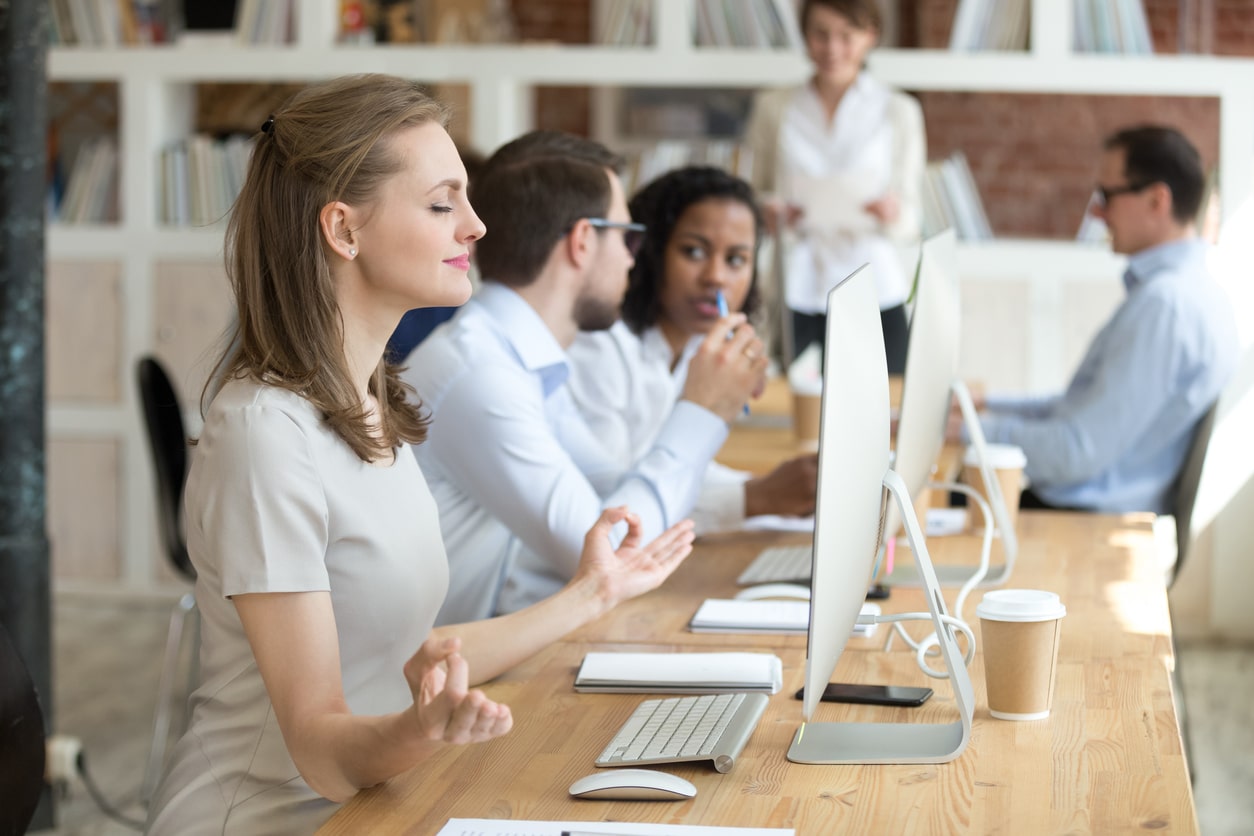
(922, 648)
(930, 646)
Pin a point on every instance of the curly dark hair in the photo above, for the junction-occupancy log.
(659, 206)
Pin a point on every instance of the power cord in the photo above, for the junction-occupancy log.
(97, 796)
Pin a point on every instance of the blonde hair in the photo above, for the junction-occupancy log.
(330, 142)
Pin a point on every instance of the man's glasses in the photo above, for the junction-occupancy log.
(633, 234)
(1107, 193)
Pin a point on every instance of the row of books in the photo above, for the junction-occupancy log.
(991, 24)
(718, 23)
(89, 193)
(264, 22)
(747, 23)
(951, 200)
(1111, 26)
(625, 23)
(96, 23)
(200, 178)
(646, 164)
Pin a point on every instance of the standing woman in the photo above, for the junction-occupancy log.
(703, 229)
(843, 157)
(317, 545)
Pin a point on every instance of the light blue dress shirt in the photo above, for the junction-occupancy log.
(1116, 439)
(518, 476)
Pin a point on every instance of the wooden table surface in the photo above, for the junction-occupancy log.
(1107, 760)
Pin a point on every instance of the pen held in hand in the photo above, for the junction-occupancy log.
(722, 312)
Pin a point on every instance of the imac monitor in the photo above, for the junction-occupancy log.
(931, 376)
(853, 472)
(853, 455)
(931, 367)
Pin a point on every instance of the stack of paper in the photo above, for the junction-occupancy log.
(718, 615)
(679, 673)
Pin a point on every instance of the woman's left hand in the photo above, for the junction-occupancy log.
(885, 210)
(632, 569)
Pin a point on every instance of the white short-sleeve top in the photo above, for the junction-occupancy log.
(277, 502)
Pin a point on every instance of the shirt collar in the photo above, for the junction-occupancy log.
(1145, 265)
(533, 343)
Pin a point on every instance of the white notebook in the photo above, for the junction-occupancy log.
(679, 673)
(719, 615)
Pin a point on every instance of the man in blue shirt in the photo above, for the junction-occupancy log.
(1117, 438)
(517, 474)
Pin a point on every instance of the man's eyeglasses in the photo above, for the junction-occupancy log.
(633, 234)
(1107, 193)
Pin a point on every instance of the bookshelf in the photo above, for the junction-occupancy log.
(165, 292)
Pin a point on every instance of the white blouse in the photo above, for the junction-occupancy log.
(277, 502)
(874, 145)
(624, 387)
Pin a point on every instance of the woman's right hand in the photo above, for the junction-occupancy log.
(727, 369)
(445, 708)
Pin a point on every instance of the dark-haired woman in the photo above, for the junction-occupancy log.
(702, 241)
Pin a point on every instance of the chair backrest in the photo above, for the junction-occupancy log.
(167, 439)
(1187, 484)
(1219, 463)
(22, 747)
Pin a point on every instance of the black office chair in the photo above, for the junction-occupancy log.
(22, 746)
(167, 439)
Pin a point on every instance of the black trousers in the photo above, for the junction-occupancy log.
(812, 328)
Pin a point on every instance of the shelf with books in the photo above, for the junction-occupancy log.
(144, 264)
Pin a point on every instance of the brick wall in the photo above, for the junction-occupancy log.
(1034, 157)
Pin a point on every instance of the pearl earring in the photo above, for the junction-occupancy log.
(352, 252)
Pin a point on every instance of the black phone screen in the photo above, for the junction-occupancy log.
(873, 694)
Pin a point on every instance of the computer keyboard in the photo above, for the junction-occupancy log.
(711, 727)
(779, 564)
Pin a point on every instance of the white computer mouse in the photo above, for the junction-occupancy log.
(633, 785)
(764, 591)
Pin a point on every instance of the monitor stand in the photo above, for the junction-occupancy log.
(995, 574)
(837, 743)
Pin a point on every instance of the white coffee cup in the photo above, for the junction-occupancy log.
(1020, 630)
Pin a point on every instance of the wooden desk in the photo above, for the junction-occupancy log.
(1108, 760)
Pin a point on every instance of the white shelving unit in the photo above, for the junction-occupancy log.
(156, 99)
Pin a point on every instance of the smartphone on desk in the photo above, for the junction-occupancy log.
(896, 695)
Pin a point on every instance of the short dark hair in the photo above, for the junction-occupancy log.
(659, 206)
(528, 206)
(1161, 154)
(864, 14)
(554, 144)
(531, 191)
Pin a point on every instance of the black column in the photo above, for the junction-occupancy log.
(24, 575)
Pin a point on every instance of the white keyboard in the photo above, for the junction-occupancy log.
(779, 564)
(712, 727)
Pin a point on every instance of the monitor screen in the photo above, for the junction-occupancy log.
(931, 369)
(853, 457)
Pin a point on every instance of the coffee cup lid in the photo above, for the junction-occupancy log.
(999, 456)
(1020, 605)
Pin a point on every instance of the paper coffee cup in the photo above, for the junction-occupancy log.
(1020, 630)
(1007, 462)
(806, 411)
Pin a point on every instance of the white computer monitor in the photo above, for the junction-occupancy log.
(852, 474)
(853, 455)
(931, 376)
(931, 367)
